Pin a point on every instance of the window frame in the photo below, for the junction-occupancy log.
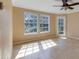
(25, 13)
(48, 23)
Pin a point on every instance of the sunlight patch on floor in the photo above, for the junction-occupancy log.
(63, 37)
(47, 44)
(32, 48)
(27, 50)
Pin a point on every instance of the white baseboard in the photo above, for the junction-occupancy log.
(34, 39)
(77, 38)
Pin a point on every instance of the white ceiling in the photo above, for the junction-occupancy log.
(44, 5)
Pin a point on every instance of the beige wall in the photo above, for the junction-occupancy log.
(73, 25)
(18, 26)
(6, 29)
(0, 36)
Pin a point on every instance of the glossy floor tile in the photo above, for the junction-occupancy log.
(48, 49)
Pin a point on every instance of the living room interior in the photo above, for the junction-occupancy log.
(39, 29)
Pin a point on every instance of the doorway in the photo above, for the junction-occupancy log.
(61, 25)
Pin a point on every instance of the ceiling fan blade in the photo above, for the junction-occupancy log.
(64, 1)
(70, 7)
(74, 4)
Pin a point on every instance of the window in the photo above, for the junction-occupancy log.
(30, 23)
(44, 23)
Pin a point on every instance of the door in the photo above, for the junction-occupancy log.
(61, 26)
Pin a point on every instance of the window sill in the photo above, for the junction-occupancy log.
(44, 32)
(30, 33)
(36, 33)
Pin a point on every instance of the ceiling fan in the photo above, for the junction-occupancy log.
(66, 5)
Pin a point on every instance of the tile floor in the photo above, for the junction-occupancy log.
(48, 49)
